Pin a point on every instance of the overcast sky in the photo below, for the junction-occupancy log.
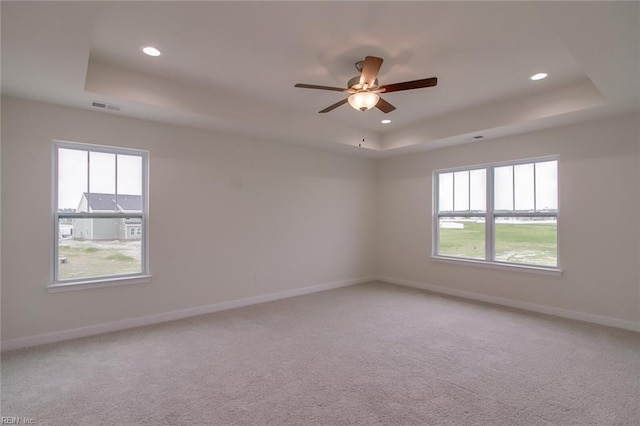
(470, 192)
(73, 178)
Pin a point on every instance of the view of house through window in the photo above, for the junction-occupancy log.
(100, 213)
(506, 213)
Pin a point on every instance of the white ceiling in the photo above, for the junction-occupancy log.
(232, 65)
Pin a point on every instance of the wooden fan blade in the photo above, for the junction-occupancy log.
(384, 106)
(408, 85)
(370, 70)
(314, 86)
(334, 106)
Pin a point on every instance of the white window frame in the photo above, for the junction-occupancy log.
(489, 216)
(104, 280)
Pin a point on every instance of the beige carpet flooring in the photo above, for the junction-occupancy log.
(361, 355)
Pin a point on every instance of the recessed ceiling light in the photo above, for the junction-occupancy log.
(538, 76)
(386, 121)
(151, 51)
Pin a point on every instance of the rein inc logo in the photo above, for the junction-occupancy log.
(8, 420)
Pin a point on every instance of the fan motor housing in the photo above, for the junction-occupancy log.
(354, 83)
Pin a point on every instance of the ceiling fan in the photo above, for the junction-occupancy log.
(364, 89)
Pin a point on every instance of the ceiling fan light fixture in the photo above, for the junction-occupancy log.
(364, 88)
(363, 101)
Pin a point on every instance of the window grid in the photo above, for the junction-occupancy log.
(57, 215)
(490, 215)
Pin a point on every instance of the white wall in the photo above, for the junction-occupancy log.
(221, 209)
(598, 228)
(225, 207)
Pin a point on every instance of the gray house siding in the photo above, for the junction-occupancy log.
(130, 229)
(108, 229)
(82, 229)
(105, 229)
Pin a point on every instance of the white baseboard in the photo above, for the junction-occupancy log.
(91, 330)
(580, 316)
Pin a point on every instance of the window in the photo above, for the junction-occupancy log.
(503, 213)
(98, 191)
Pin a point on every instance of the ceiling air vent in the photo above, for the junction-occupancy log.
(103, 105)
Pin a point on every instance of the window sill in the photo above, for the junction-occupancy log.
(503, 266)
(99, 283)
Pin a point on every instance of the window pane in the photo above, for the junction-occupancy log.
(102, 173)
(461, 237)
(523, 177)
(547, 186)
(72, 178)
(445, 192)
(503, 184)
(129, 174)
(530, 241)
(129, 197)
(461, 191)
(478, 190)
(89, 248)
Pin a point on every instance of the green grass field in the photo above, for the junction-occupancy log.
(87, 262)
(531, 243)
